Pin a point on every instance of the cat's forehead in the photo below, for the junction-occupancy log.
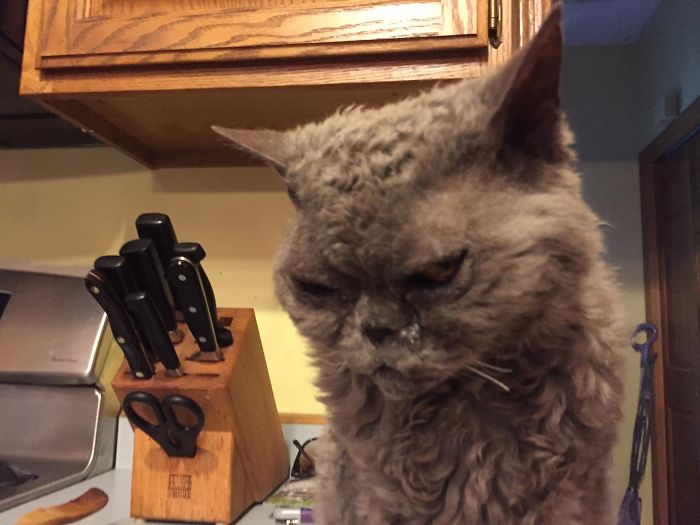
(356, 232)
(394, 232)
(360, 175)
(369, 150)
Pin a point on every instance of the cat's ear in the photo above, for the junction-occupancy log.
(267, 145)
(528, 115)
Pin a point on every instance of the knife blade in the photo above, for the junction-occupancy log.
(186, 283)
(121, 325)
(144, 264)
(194, 252)
(118, 275)
(143, 307)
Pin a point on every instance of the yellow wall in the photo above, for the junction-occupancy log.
(60, 209)
(612, 190)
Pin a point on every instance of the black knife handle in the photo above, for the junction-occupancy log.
(120, 278)
(120, 323)
(144, 264)
(184, 279)
(194, 252)
(142, 306)
(158, 228)
(117, 273)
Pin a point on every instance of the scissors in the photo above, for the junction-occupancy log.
(173, 437)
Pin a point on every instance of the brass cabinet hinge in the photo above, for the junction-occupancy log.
(495, 22)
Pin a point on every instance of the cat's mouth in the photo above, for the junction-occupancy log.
(387, 375)
(387, 372)
(398, 385)
(408, 373)
(412, 380)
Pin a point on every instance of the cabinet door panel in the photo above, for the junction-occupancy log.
(96, 33)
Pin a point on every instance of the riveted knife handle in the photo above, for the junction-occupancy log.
(143, 307)
(117, 273)
(186, 283)
(144, 263)
(192, 251)
(119, 321)
(195, 253)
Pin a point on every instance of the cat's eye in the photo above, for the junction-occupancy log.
(437, 273)
(313, 289)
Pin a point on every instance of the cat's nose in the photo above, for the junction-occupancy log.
(378, 334)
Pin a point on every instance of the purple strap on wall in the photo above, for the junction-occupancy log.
(631, 508)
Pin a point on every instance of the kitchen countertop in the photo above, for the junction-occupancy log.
(116, 483)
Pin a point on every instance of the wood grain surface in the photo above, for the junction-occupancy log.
(151, 34)
(241, 455)
(387, 67)
(302, 419)
(160, 114)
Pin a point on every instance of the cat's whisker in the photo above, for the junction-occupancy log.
(495, 368)
(485, 375)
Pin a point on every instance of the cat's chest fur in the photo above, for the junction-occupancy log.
(441, 458)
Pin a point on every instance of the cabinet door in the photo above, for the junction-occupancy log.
(108, 33)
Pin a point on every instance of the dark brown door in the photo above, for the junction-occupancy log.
(677, 184)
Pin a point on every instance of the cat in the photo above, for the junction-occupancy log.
(451, 282)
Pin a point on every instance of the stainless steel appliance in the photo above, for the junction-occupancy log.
(58, 414)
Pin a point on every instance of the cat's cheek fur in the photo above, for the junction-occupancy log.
(314, 322)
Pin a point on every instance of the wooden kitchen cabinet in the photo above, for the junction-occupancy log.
(151, 77)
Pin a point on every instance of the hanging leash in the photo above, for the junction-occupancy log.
(631, 508)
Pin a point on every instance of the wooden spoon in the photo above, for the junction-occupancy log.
(84, 505)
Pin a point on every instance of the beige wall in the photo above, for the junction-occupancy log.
(667, 61)
(60, 209)
(612, 190)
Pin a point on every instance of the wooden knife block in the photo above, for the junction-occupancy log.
(241, 455)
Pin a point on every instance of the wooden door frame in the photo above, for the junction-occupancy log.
(671, 138)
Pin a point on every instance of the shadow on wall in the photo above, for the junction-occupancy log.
(599, 101)
(235, 213)
(612, 190)
(614, 95)
(218, 180)
(65, 163)
(99, 161)
(80, 203)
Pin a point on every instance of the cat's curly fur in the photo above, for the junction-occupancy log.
(473, 179)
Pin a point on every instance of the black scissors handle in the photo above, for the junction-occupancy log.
(176, 439)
